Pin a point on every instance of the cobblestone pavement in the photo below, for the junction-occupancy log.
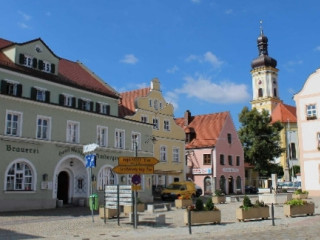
(77, 224)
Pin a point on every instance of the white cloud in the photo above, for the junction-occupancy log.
(229, 11)
(130, 59)
(25, 16)
(23, 25)
(172, 97)
(206, 90)
(317, 48)
(211, 58)
(173, 69)
(196, 1)
(207, 57)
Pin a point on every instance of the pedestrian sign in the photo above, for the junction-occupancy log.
(90, 160)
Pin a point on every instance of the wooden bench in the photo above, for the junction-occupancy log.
(158, 206)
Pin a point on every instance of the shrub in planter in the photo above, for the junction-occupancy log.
(300, 194)
(201, 213)
(252, 211)
(298, 207)
(219, 196)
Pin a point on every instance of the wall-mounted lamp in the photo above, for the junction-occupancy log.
(152, 139)
(71, 163)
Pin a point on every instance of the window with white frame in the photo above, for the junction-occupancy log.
(155, 122)
(311, 111)
(73, 129)
(135, 141)
(166, 125)
(43, 127)
(163, 154)
(68, 100)
(106, 177)
(102, 136)
(144, 119)
(175, 154)
(19, 177)
(13, 123)
(84, 104)
(104, 108)
(12, 88)
(46, 66)
(119, 140)
(28, 61)
(150, 102)
(41, 95)
(156, 105)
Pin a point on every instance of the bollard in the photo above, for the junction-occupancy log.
(189, 221)
(272, 214)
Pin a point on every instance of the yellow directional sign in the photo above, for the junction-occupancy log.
(135, 187)
(127, 161)
(137, 169)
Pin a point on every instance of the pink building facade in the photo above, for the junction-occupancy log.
(214, 153)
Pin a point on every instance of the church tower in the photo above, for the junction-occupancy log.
(264, 78)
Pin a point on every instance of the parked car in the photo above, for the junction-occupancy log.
(251, 190)
(198, 191)
(177, 189)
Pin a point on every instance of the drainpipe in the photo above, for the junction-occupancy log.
(213, 171)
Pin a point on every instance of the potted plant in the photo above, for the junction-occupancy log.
(252, 211)
(298, 207)
(107, 212)
(300, 194)
(201, 213)
(183, 201)
(219, 197)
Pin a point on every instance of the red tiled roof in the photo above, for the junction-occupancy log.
(207, 128)
(128, 99)
(284, 113)
(70, 73)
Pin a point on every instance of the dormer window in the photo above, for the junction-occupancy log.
(40, 94)
(103, 108)
(11, 88)
(311, 112)
(67, 100)
(85, 104)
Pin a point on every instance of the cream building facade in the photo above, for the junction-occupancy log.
(308, 114)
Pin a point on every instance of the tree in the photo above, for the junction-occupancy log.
(260, 140)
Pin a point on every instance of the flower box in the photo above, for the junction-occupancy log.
(127, 209)
(110, 213)
(219, 199)
(252, 213)
(292, 210)
(200, 217)
(183, 203)
(300, 196)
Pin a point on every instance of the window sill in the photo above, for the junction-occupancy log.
(311, 117)
(19, 192)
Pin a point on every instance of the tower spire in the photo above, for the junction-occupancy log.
(261, 28)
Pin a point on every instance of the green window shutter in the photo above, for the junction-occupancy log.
(53, 68)
(19, 90)
(34, 63)
(33, 93)
(61, 99)
(97, 107)
(108, 110)
(79, 103)
(4, 87)
(91, 106)
(21, 58)
(74, 102)
(47, 97)
(40, 65)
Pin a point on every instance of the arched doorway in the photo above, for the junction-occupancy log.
(207, 185)
(63, 187)
(230, 180)
(223, 184)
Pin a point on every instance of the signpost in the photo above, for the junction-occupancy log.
(135, 165)
(90, 163)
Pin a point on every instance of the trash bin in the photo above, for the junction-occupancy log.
(93, 202)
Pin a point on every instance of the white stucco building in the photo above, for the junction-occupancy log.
(308, 117)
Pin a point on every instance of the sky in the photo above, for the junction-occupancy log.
(200, 50)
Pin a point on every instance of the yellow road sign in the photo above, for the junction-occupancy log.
(135, 187)
(138, 169)
(137, 161)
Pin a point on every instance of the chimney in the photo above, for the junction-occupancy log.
(187, 118)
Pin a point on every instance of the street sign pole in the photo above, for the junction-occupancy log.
(90, 170)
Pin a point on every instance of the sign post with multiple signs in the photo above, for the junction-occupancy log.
(91, 163)
(136, 166)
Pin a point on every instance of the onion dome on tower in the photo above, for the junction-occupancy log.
(263, 60)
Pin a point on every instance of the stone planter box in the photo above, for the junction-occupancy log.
(293, 210)
(275, 198)
(200, 217)
(127, 209)
(183, 203)
(110, 213)
(252, 213)
(300, 196)
(218, 199)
